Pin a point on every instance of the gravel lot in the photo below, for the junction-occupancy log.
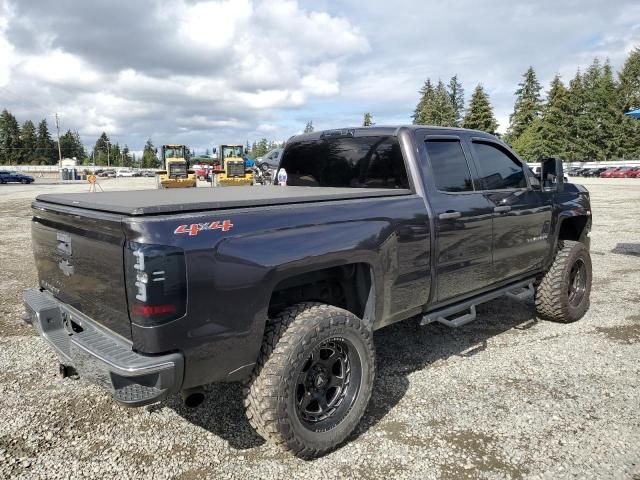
(507, 396)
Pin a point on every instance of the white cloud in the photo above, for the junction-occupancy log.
(8, 57)
(228, 70)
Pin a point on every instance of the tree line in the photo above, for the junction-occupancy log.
(584, 120)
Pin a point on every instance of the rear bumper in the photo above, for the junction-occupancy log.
(100, 356)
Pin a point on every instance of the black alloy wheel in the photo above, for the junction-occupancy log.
(327, 384)
(577, 282)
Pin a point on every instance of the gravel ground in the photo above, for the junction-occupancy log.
(507, 396)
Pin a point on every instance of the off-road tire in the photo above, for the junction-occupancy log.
(270, 395)
(553, 291)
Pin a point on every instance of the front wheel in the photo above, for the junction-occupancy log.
(563, 294)
(313, 378)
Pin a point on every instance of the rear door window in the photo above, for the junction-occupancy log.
(357, 162)
(498, 170)
(449, 165)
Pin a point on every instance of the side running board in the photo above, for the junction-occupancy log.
(520, 291)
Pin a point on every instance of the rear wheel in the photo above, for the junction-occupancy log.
(563, 294)
(313, 379)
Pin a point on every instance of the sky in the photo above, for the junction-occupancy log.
(202, 73)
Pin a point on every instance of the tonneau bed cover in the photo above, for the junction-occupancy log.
(157, 202)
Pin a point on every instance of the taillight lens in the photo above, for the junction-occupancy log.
(156, 283)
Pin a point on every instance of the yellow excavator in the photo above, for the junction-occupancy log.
(176, 173)
(232, 169)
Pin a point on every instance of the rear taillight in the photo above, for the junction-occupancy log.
(156, 283)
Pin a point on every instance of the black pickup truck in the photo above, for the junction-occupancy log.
(281, 287)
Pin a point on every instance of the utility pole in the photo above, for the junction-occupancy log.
(108, 153)
(59, 150)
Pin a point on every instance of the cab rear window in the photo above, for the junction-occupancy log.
(357, 162)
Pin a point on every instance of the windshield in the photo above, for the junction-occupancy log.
(361, 162)
(174, 152)
(232, 151)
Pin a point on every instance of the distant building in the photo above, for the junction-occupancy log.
(69, 162)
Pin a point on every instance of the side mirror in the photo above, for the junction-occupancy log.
(551, 175)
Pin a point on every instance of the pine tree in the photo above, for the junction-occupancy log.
(435, 107)
(424, 105)
(10, 143)
(114, 158)
(528, 105)
(101, 150)
(367, 121)
(479, 115)
(456, 96)
(45, 146)
(29, 140)
(127, 161)
(149, 156)
(599, 124)
(308, 128)
(629, 79)
(577, 102)
(71, 146)
(443, 113)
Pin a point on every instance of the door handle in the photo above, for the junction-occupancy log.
(449, 215)
(504, 208)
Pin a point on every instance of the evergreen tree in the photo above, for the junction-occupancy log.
(29, 140)
(479, 115)
(127, 160)
(629, 79)
(10, 143)
(420, 114)
(45, 147)
(367, 121)
(71, 146)
(577, 101)
(548, 136)
(101, 150)
(149, 156)
(435, 107)
(456, 96)
(114, 158)
(528, 105)
(308, 128)
(599, 123)
(443, 113)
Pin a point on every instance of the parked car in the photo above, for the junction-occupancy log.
(594, 172)
(625, 172)
(126, 173)
(282, 287)
(15, 177)
(609, 172)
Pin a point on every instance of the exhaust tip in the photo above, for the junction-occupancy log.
(193, 397)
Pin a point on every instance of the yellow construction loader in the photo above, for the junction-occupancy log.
(176, 173)
(232, 169)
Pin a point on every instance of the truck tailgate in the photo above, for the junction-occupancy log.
(79, 258)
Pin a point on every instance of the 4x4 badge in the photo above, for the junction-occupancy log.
(195, 228)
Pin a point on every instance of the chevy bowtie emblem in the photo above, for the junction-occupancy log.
(66, 267)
